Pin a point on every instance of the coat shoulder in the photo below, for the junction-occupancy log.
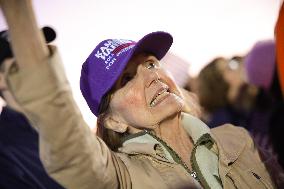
(232, 140)
(230, 132)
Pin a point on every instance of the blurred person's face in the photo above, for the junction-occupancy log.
(145, 95)
(233, 74)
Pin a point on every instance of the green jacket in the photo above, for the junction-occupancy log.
(78, 159)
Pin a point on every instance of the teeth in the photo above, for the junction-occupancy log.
(161, 94)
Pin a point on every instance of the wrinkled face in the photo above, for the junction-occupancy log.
(145, 94)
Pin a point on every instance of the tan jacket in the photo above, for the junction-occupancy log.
(78, 159)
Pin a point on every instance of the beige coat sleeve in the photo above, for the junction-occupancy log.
(70, 152)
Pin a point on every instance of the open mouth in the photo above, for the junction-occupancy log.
(161, 95)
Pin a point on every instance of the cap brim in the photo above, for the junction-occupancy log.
(156, 43)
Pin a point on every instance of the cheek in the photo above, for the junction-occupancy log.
(134, 98)
(130, 100)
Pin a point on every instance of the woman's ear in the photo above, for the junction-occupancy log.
(113, 123)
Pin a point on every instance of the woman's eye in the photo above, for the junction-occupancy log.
(151, 65)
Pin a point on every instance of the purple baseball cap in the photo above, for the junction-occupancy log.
(260, 64)
(108, 60)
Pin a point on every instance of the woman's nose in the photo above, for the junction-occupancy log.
(149, 75)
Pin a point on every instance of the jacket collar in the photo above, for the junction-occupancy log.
(194, 127)
(144, 143)
(229, 146)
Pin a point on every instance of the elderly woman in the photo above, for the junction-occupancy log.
(139, 109)
(146, 140)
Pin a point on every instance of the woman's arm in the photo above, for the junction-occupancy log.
(70, 152)
(27, 40)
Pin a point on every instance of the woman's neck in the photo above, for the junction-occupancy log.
(172, 132)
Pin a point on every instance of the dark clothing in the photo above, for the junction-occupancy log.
(259, 119)
(256, 120)
(227, 115)
(276, 131)
(20, 166)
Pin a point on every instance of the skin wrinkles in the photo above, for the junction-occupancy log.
(138, 84)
